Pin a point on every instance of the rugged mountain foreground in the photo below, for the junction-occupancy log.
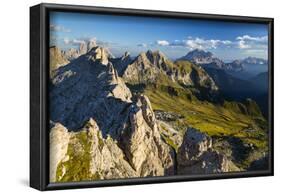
(148, 116)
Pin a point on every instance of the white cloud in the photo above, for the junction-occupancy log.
(58, 28)
(201, 43)
(78, 41)
(249, 42)
(242, 45)
(252, 38)
(162, 42)
(66, 41)
(93, 39)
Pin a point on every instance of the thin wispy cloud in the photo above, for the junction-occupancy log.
(74, 42)
(162, 42)
(142, 45)
(58, 28)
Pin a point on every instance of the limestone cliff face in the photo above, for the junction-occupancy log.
(146, 67)
(142, 143)
(71, 54)
(59, 140)
(197, 156)
(89, 156)
(151, 67)
(57, 59)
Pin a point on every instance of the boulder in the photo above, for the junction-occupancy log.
(196, 155)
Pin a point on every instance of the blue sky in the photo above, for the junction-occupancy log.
(174, 37)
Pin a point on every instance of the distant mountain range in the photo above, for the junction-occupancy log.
(236, 80)
(243, 69)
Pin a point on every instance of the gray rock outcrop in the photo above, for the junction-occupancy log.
(59, 140)
(142, 143)
(57, 59)
(71, 54)
(89, 156)
(196, 155)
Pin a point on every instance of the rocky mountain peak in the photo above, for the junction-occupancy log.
(151, 57)
(198, 56)
(99, 54)
(146, 67)
(204, 59)
(86, 46)
(97, 92)
(126, 54)
(57, 59)
(83, 48)
(71, 54)
(91, 44)
(121, 63)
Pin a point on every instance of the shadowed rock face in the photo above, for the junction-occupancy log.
(120, 64)
(89, 87)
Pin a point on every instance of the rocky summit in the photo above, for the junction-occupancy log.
(153, 67)
(89, 87)
(208, 60)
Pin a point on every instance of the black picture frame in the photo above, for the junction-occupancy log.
(39, 60)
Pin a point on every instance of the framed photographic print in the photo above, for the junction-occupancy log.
(125, 96)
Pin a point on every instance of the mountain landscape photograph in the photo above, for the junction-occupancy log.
(136, 97)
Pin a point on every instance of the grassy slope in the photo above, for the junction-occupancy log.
(216, 120)
(220, 121)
